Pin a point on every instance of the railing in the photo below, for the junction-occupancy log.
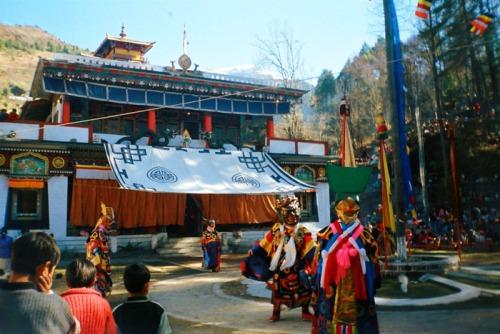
(241, 79)
(97, 61)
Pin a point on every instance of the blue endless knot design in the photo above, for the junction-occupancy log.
(161, 175)
(253, 162)
(130, 154)
(246, 180)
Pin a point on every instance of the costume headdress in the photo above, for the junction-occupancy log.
(288, 210)
(107, 211)
(347, 209)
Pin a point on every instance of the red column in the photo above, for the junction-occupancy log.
(66, 111)
(270, 127)
(207, 122)
(152, 120)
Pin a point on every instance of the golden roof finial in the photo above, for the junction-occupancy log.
(123, 34)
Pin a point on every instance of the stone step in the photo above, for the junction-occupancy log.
(190, 246)
(181, 243)
(187, 240)
(167, 252)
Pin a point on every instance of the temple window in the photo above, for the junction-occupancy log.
(142, 127)
(111, 125)
(26, 208)
(309, 211)
(128, 126)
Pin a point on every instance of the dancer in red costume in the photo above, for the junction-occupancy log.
(98, 250)
(211, 247)
(284, 257)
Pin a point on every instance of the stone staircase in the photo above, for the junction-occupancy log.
(190, 246)
(176, 247)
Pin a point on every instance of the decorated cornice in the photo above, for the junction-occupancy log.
(66, 172)
(299, 159)
(168, 81)
(32, 149)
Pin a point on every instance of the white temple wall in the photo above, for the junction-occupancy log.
(58, 205)
(323, 203)
(4, 192)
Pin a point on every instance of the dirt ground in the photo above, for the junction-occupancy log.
(167, 269)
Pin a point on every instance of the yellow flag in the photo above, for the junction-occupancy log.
(387, 212)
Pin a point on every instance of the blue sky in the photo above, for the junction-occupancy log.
(221, 33)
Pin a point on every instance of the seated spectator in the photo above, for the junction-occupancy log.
(3, 115)
(23, 309)
(5, 251)
(13, 116)
(92, 311)
(138, 314)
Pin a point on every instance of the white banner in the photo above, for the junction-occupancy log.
(199, 171)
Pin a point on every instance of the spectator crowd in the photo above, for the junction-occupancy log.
(28, 304)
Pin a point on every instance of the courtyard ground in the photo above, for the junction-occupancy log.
(198, 301)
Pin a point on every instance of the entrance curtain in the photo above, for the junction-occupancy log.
(239, 209)
(133, 209)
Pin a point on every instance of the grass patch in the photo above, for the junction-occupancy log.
(477, 283)
(237, 289)
(480, 258)
(391, 288)
(478, 303)
(468, 258)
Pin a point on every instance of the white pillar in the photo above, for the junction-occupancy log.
(4, 192)
(113, 241)
(58, 206)
(323, 203)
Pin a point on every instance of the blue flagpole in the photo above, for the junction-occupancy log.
(400, 110)
(403, 190)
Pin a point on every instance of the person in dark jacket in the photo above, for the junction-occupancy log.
(23, 309)
(138, 314)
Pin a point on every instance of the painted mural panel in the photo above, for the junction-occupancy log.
(29, 164)
(304, 173)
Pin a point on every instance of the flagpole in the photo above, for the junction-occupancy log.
(397, 161)
(384, 196)
(342, 152)
(455, 189)
(344, 110)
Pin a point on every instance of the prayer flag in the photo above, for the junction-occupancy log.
(423, 9)
(480, 24)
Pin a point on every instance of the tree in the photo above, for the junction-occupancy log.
(324, 93)
(50, 46)
(282, 53)
(362, 81)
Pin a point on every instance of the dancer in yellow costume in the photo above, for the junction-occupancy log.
(347, 274)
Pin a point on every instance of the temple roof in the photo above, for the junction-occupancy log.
(144, 84)
(107, 43)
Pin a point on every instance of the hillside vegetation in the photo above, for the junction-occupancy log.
(20, 48)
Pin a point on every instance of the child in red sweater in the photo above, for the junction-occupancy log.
(86, 303)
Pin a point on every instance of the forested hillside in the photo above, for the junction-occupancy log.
(20, 48)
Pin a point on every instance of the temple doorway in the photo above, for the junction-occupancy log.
(193, 218)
